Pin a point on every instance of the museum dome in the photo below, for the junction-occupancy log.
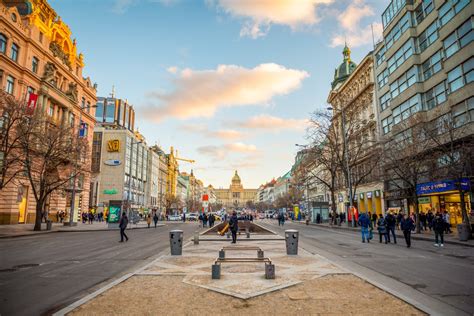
(345, 69)
(236, 178)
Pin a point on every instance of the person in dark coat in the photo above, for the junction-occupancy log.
(234, 226)
(374, 219)
(212, 219)
(382, 228)
(204, 219)
(364, 223)
(439, 225)
(429, 219)
(391, 222)
(123, 225)
(406, 225)
(155, 219)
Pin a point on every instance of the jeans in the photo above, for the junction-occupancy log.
(440, 235)
(365, 233)
(384, 236)
(122, 234)
(391, 230)
(407, 235)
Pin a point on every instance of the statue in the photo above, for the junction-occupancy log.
(49, 73)
(72, 91)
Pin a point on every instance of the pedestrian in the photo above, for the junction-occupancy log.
(184, 217)
(91, 217)
(391, 222)
(201, 220)
(204, 219)
(382, 228)
(364, 223)
(234, 226)
(148, 220)
(399, 219)
(446, 218)
(429, 219)
(406, 225)
(374, 219)
(155, 219)
(211, 219)
(123, 225)
(423, 223)
(439, 227)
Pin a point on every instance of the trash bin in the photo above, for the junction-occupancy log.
(176, 242)
(291, 238)
(49, 224)
(464, 232)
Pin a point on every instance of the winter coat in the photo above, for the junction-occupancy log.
(407, 224)
(234, 223)
(439, 224)
(390, 220)
(123, 222)
(382, 226)
(364, 221)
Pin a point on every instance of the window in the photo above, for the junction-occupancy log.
(30, 90)
(14, 52)
(51, 110)
(461, 75)
(83, 103)
(10, 84)
(382, 78)
(387, 124)
(463, 112)
(41, 37)
(406, 80)
(3, 43)
(406, 109)
(88, 107)
(462, 36)
(72, 119)
(422, 11)
(34, 65)
(449, 9)
(110, 111)
(380, 56)
(428, 37)
(436, 95)
(401, 55)
(392, 10)
(385, 101)
(397, 31)
(432, 65)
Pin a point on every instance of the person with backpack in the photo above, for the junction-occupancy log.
(391, 222)
(364, 223)
(155, 219)
(123, 225)
(406, 225)
(439, 226)
(382, 228)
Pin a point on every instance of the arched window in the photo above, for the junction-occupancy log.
(14, 52)
(3, 43)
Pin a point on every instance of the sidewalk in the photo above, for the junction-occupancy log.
(18, 230)
(424, 235)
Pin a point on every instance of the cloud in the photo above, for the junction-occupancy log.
(352, 31)
(268, 122)
(222, 151)
(200, 93)
(261, 14)
(121, 6)
(225, 134)
(172, 70)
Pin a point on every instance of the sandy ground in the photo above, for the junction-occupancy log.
(168, 295)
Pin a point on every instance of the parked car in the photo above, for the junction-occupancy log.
(192, 216)
(175, 218)
(261, 215)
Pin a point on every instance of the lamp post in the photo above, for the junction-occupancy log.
(73, 191)
(346, 158)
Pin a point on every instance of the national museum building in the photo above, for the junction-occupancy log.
(235, 196)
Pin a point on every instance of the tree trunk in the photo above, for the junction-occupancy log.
(39, 215)
(417, 215)
(465, 218)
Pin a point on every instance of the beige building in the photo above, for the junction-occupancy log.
(156, 186)
(352, 100)
(236, 196)
(39, 57)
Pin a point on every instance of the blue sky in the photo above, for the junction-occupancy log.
(228, 83)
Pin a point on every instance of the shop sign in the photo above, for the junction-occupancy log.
(361, 195)
(112, 162)
(377, 193)
(113, 145)
(369, 195)
(442, 186)
(110, 191)
(424, 200)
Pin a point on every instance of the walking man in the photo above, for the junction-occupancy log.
(364, 223)
(123, 225)
(234, 226)
(439, 227)
(155, 219)
(391, 222)
(406, 226)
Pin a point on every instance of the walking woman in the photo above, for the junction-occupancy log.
(382, 228)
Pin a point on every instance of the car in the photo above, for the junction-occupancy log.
(192, 216)
(261, 215)
(175, 218)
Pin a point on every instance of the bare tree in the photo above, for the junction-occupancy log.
(53, 157)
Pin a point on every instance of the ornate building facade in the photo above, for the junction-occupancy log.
(38, 56)
(235, 196)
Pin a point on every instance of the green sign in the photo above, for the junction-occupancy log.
(424, 200)
(110, 191)
(114, 214)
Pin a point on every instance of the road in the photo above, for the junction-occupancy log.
(42, 273)
(446, 274)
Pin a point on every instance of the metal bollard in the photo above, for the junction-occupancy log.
(221, 254)
(291, 238)
(260, 254)
(216, 271)
(196, 238)
(176, 242)
(228, 234)
(269, 271)
(247, 232)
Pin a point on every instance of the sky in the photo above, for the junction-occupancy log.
(230, 84)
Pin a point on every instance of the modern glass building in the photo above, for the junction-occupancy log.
(115, 111)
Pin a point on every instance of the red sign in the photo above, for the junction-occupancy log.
(205, 197)
(31, 106)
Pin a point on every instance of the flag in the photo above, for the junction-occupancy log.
(83, 130)
(31, 106)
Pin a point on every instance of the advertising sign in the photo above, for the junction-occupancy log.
(113, 145)
(424, 200)
(115, 208)
(443, 186)
(112, 162)
(31, 106)
(110, 191)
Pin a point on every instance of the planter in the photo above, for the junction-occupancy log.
(464, 232)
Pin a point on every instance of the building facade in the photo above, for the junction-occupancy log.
(424, 70)
(235, 196)
(39, 57)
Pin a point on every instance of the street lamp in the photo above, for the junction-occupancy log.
(346, 158)
(73, 192)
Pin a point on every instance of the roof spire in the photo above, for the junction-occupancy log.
(346, 52)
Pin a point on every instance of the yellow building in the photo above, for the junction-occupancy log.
(235, 196)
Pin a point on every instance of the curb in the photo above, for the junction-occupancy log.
(414, 237)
